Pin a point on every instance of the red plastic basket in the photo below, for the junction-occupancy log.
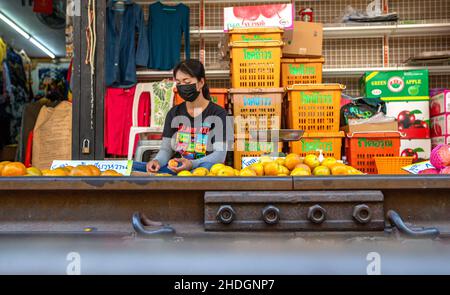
(362, 148)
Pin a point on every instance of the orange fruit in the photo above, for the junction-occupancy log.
(14, 169)
(184, 173)
(283, 170)
(54, 173)
(81, 171)
(33, 171)
(226, 171)
(95, 171)
(304, 167)
(339, 170)
(312, 161)
(68, 168)
(271, 169)
(258, 168)
(300, 172)
(353, 171)
(292, 160)
(172, 163)
(281, 161)
(247, 172)
(215, 168)
(200, 171)
(2, 165)
(329, 162)
(321, 171)
(111, 173)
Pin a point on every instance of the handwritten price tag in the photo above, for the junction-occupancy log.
(123, 167)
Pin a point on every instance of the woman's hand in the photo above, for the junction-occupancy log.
(185, 165)
(153, 166)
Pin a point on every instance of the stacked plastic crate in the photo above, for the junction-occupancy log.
(256, 94)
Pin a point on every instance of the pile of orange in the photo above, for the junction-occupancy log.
(291, 165)
(14, 169)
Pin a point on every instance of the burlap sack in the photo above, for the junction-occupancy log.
(52, 138)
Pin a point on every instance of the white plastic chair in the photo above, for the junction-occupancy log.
(154, 127)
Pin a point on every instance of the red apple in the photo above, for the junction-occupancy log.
(435, 108)
(404, 119)
(269, 11)
(410, 153)
(246, 12)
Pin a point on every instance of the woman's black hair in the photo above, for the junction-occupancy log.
(194, 68)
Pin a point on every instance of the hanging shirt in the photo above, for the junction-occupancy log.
(166, 26)
(122, 54)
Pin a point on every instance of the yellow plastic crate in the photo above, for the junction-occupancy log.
(301, 71)
(256, 109)
(329, 143)
(256, 64)
(314, 107)
(256, 34)
(392, 165)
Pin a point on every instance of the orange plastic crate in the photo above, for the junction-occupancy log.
(245, 148)
(362, 148)
(218, 96)
(256, 34)
(329, 143)
(314, 107)
(301, 71)
(256, 64)
(392, 165)
(256, 109)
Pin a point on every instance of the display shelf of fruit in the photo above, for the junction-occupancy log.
(17, 169)
(291, 165)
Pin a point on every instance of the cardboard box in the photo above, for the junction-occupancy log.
(440, 125)
(270, 15)
(440, 103)
(396, 85)
(305, 40)
(420, 149)
(413, 117)
(381, 127)
(439, 140)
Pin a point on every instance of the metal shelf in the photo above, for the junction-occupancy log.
(356, 31)
(344, 72)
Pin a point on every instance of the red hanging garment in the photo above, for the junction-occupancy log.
(43, 6)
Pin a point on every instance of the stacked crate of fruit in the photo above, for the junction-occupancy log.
(256, 94)
(315, 108)
(407, 99)
(440, 117)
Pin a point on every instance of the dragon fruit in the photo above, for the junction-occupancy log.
(440, 156)
(429, 171)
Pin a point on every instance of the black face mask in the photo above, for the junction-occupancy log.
(188, 92)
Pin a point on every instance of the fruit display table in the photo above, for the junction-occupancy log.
(181, 200)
